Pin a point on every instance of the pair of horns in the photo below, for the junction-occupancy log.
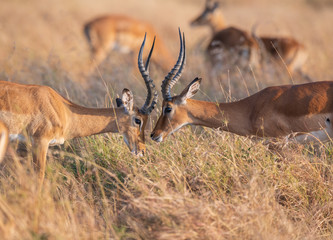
(170, 79)
(151, 100)
(173, 76)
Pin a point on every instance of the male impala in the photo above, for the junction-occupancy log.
(3, 140)
(240, 44)
(122, 33)
(273, 112)
(48, 118)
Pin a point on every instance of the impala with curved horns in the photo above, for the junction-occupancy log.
(279, 111)
(242, 45)
(48, 118)
(3, 140)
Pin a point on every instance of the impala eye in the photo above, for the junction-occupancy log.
(167, 109)
(137, 121)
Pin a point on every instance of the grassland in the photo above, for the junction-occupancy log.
(199, 183)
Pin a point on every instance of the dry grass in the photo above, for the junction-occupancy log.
(198, 184)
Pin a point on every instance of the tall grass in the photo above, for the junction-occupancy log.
(199, 183)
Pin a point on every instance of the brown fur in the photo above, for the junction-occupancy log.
(290, 50)
(44, 115)
(272, 112)
(122, 32)
(3, 140)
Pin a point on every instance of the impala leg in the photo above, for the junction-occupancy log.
(39, 151)
(39, 158)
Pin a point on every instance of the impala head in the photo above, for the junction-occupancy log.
(174, 114)
(208, 15)
(132, 125)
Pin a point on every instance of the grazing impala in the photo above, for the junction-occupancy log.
(278, 111)
(240, 44)
(48, 118)
(122, 33)
(3, 140)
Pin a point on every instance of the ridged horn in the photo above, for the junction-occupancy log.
(150, 100)
(172, 77)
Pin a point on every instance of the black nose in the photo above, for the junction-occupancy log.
(152, 134)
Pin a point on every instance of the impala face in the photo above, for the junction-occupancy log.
(171, 120)
(134, 136)
(134, 119)
(132, 123)
(175, 113)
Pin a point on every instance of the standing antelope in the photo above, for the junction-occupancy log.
(48, 118)
(122, 33)
(272, 112)
(3, 140)
(240, 44)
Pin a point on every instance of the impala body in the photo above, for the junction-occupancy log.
(273, 112)
(290, 50)
(3, 139)
(232, 46)
(123, 34)
(47, 118)
(279, 111)
(244, 46)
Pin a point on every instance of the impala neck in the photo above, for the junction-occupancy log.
(217, 22)
(232, 117)
(91, 121)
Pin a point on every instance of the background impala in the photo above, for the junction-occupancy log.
(242, 46)
(121, 33)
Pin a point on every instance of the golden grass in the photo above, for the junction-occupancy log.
(198, 184)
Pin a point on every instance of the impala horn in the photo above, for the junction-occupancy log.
(151, 100)
(171, 79)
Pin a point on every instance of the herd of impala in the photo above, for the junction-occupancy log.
(40, 115)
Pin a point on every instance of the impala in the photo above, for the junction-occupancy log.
(280, 111)
(47, 118)
(3, 140)
(231, 39)
(122, 33)
(288, 49)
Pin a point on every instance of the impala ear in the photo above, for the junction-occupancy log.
(191, 89)
(127, 99)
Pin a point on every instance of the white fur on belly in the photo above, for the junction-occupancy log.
(22, 138)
